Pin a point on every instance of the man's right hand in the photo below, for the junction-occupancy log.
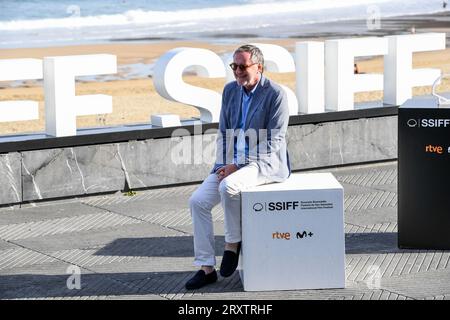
(225, 171)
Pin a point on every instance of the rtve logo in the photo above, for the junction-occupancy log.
(287, 235)
(435, 149)
(276, 206)
(428, 123)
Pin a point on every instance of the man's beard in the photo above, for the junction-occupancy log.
(244, 83)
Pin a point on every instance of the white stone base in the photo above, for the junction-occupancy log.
(293, 234)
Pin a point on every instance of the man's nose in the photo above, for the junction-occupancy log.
(239, 71)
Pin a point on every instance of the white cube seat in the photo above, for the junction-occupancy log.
(293, 234)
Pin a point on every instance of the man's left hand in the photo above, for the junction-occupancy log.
(225, 171)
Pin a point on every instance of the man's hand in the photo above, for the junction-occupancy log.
(225, 171)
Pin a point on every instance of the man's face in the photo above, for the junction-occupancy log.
(250, 76)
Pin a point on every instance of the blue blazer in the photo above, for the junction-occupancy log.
(265, 128)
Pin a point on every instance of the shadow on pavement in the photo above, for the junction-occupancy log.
(156, 247)
(376, 243)
(29, 286)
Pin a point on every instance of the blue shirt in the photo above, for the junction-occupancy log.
(241, 146)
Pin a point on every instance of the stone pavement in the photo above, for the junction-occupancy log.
(140, 247)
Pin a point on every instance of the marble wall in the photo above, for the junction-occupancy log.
(344, 142)
(62, 172)
(71, 171)
(10, 178)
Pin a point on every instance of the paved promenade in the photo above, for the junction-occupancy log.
(140, 247)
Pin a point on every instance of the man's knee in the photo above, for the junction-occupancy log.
(195, 200)
(228, 188)
(198, 201)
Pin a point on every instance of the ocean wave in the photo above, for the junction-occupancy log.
(335, 10)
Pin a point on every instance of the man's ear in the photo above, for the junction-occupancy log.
(260, 68)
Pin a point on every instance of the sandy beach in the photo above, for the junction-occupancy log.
(136, 99)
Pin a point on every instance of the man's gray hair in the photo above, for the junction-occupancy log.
(255, 53)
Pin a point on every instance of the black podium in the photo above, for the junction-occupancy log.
(423, 175)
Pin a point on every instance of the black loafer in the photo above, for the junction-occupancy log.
(201, 279)
(229, 262)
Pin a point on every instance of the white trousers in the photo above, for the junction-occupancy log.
(207, 196)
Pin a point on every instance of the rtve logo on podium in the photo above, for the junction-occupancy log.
(436, 149)
(287, 235)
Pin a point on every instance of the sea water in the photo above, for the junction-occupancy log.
(38, 23)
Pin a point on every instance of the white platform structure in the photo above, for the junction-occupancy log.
(293, 234)
(165, 120)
